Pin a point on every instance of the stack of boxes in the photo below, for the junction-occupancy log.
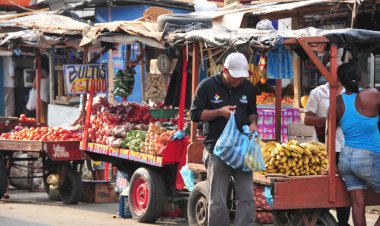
(266, 122)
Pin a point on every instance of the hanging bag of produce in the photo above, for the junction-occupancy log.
(254, 159)
(232, 145)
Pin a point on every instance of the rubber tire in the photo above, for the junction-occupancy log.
(156, 190)
(3, 178)
(71, 189)
(198, 196)
(181, 19)
(325, 219)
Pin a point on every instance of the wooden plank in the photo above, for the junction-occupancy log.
(312, 192)
(21, 145)
(308, 192)
(300, 130)
(195, 152)
(197, 168)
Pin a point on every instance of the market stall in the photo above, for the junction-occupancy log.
(57, 148)
(145, 140)
(291, 167)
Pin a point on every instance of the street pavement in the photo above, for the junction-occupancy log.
(35, 209)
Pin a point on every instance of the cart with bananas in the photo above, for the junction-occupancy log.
(301, 182)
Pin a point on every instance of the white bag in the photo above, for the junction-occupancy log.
(31, 105)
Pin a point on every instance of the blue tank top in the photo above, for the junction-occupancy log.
(359, 131)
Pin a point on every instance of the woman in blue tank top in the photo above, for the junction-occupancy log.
(359, 162)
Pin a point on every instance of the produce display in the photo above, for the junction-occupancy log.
(261, 203)
(124, 82)
(134, 140)
(269, 98)
(156, 140)
(293, 159)
(156, 87)
(23, 118)
(41, 134)
(130, 126)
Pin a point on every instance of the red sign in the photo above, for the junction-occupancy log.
(64, 151)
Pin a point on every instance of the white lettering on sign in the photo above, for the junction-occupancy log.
(60, 152)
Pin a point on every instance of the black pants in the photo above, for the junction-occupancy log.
(342, 213)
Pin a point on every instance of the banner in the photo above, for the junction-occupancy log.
(78, 78)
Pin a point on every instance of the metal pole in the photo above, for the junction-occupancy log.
(51, 75)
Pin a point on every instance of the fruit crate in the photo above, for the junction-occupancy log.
(163, 113)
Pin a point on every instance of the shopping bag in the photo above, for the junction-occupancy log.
(31, 104)
(232, 145)
(280, 63)
(188, 177)
(254, 160)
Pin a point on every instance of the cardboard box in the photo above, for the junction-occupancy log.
(99, 192)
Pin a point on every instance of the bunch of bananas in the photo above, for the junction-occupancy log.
(255, 74)
(293, 159)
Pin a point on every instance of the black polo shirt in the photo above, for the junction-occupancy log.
(212, 94)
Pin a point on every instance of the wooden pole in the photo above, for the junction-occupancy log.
(142, 69)
(296, 68)
(182, 101)
(38, 86)
(332, 122)
(195, 70)
(110, 76)
(278, 110)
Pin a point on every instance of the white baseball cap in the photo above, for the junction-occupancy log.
(237, 65)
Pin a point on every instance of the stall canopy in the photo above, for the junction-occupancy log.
(43, 30)
(124, 32)
(224, 38)
(232, 18)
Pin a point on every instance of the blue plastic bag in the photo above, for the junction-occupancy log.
(188, 177)
(232, 145)
(254, 158)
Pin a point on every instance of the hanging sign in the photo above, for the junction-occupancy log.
(78, 78)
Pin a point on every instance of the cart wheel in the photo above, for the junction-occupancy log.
(3, 178)
(197, 205)
(325, 218)
(71, 188)
(147, 195)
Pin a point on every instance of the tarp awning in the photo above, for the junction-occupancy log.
(124, 32)
(224, 38)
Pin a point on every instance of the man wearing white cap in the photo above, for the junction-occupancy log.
(215, 98)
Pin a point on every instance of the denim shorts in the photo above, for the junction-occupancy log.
(360, 168)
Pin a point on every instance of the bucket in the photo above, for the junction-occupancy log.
(124, 211)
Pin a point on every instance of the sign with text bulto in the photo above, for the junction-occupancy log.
(78, 78)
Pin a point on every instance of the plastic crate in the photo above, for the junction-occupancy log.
(163, 113)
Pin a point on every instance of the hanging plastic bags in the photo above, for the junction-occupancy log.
(232, 145)
(280, 62)
(31, 104)
(254, 158)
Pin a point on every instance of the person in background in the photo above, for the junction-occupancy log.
(9, 86)
(357, 113)
(215, 98)
(315, 115)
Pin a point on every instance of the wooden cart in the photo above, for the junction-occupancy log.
(300, 200)
(152, 179)
(62, 158)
